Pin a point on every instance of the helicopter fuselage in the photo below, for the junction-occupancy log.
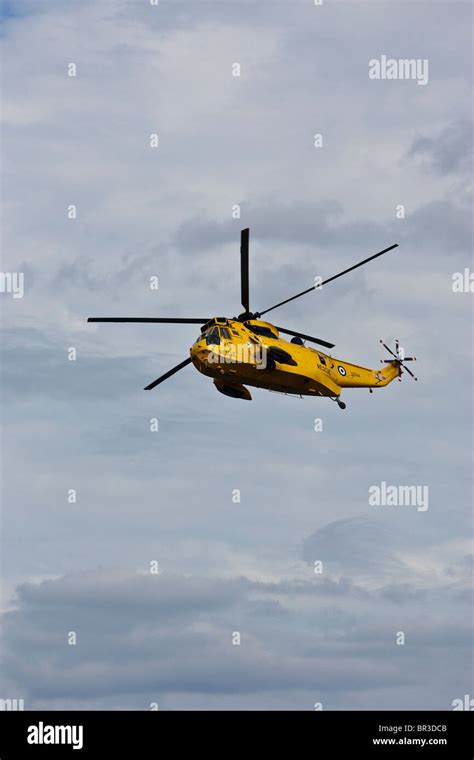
(247, 351)
(236, 354)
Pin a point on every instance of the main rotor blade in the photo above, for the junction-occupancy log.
(409, 372)
(244, 269)
(305, 337)
(167, 375)
(168, 320)
(330, 279)
(390, 350)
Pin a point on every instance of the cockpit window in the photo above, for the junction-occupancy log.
(202, 336)
(225, 333)
(212, 337)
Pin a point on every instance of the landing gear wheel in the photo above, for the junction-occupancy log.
(341, 404)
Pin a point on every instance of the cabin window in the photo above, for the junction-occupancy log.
(264, 331)
(322, 359)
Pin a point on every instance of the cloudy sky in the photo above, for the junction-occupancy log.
(306, 637)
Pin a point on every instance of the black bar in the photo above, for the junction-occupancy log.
(324, 734)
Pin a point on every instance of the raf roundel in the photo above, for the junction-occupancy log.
(341, 370)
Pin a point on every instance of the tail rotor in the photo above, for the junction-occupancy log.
(399, 358)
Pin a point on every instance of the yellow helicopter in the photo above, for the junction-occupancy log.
(246, 350)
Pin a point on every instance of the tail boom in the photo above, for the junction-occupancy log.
(353, 376)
